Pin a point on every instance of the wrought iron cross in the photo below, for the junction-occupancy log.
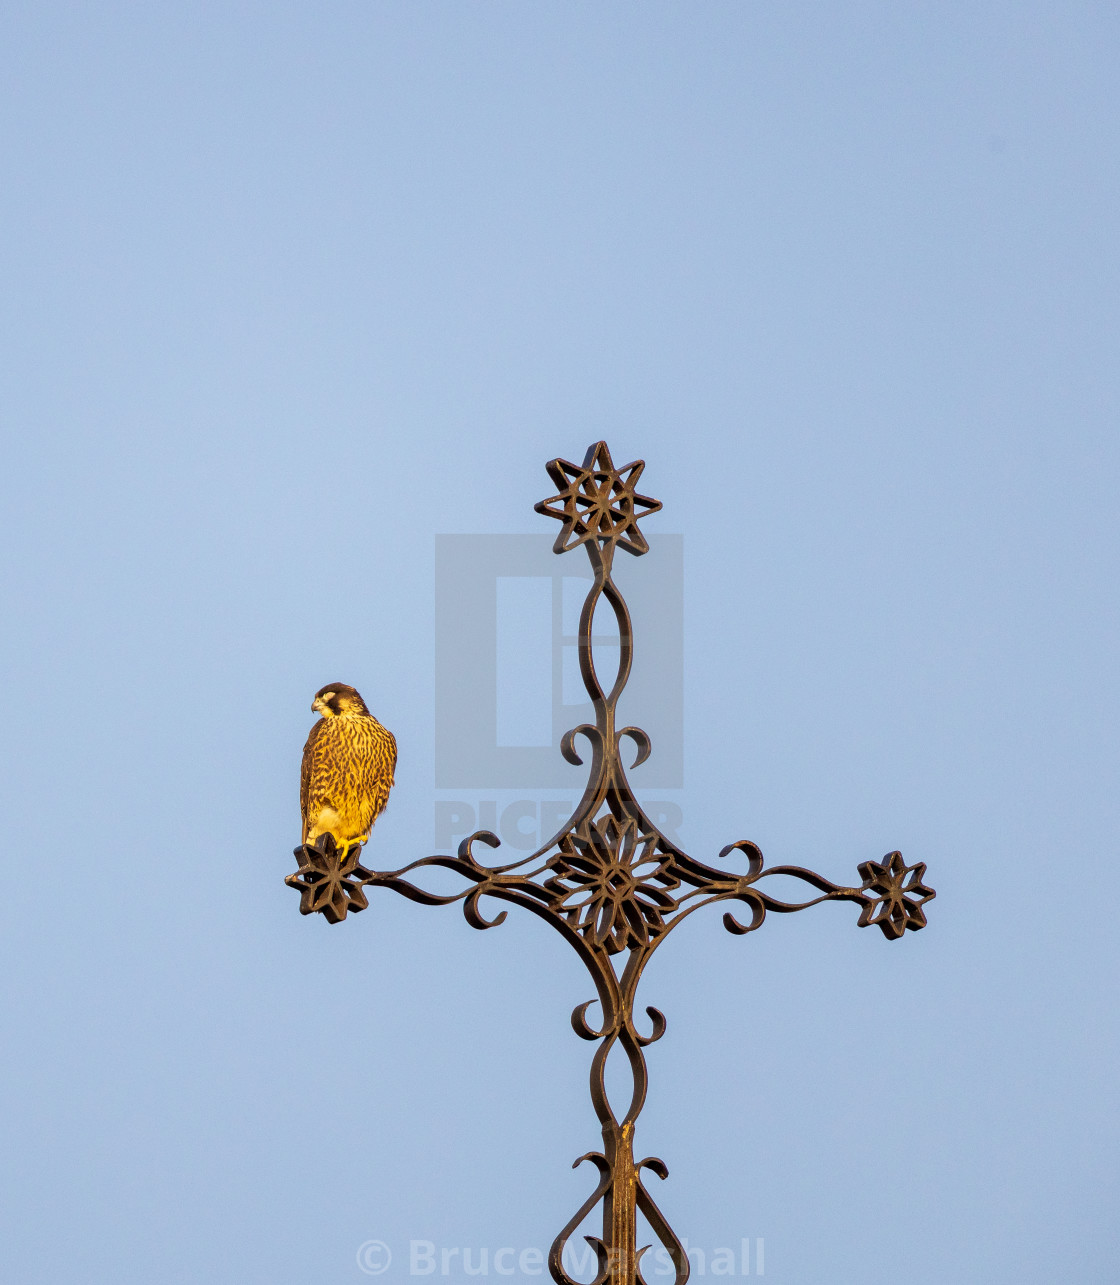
(609, 880)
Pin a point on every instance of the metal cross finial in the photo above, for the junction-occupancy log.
(609, 880)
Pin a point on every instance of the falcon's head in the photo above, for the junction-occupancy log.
(337, 699)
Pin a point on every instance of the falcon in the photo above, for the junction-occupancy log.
(348, 765)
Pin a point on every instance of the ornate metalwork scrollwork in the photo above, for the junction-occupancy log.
(609, 880)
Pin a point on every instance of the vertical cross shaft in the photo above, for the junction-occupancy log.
(620, 1209)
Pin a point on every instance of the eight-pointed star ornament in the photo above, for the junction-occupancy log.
(598, 502)
(898, 895)
(329, 879)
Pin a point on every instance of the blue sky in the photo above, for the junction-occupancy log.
(286, 290)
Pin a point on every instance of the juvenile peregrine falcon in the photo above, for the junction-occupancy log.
(348, 765)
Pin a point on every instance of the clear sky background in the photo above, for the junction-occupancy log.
(286, 290)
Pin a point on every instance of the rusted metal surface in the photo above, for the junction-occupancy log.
(609, 881)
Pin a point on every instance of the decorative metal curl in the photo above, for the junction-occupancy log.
(609, 881)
